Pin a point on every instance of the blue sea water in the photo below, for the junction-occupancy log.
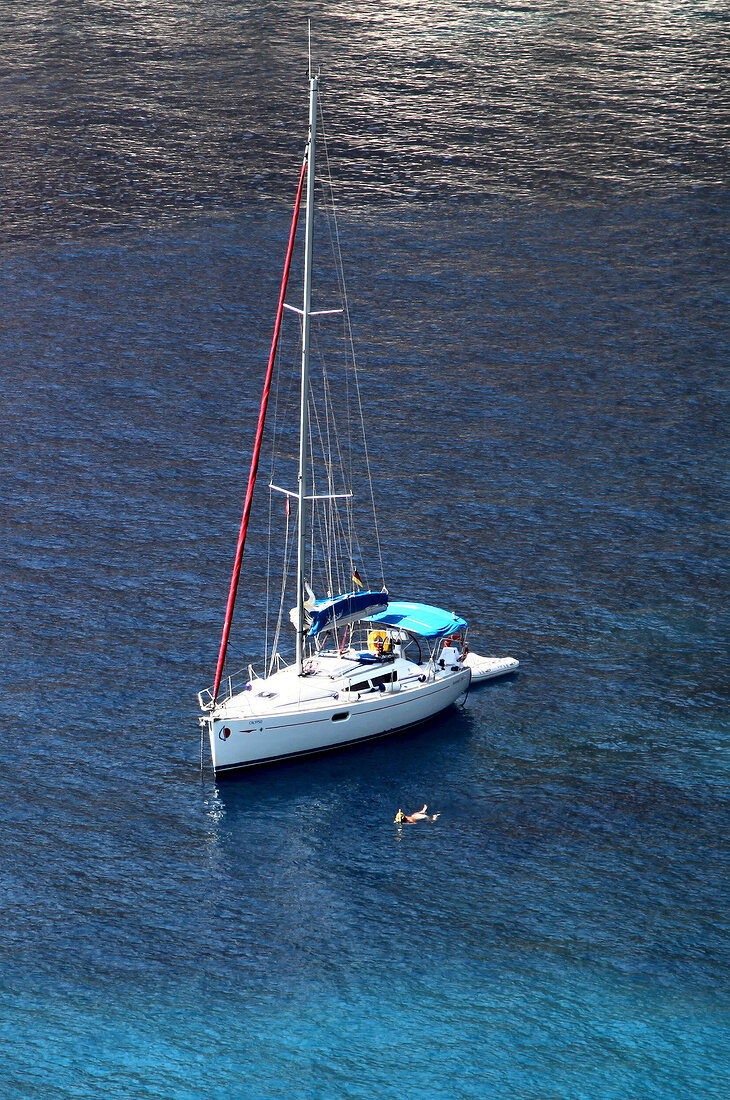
(534, 222)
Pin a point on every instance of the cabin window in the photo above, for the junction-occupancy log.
(364, 685)
(386, 678)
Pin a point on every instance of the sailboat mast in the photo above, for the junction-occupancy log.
(304, 397)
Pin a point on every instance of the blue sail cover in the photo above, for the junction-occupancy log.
(340, 610)
(420, 618)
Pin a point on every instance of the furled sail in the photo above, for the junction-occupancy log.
(336, 611)
(257, 445)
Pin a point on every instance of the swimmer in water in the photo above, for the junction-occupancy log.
(412, 819)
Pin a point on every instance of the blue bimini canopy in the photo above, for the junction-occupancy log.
(340, 610)
(420, 618)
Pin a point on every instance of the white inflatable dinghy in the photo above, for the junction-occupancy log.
(489, 668)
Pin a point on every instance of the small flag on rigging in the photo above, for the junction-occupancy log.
(356, 578)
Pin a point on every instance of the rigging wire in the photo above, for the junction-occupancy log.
(334, 548)
(285, 391)
(339, 266)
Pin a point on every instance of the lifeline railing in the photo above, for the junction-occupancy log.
(233, 684)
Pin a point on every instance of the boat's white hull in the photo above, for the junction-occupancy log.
(250, 739)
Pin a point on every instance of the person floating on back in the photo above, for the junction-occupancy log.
(412, 819)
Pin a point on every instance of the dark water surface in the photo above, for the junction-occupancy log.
(534, 220)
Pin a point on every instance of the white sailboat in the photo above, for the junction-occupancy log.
(365, 666)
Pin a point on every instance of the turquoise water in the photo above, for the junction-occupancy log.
(540, 306)
(554, 931)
